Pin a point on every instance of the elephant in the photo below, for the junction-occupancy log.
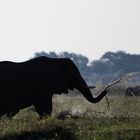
(33, 82)
(133, 91)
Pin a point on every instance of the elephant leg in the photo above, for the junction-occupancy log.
(44, 108)
(8, 113)
(14, 113)
(11, 114)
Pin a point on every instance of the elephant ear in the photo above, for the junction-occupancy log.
(67, 76)
(61, 82)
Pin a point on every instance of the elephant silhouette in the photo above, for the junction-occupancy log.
(132, 91)
(34, 82)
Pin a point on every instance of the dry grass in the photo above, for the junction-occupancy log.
(81, 120)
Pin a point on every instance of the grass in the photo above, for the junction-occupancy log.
(73, 118)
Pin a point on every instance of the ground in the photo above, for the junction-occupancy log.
(74, 118)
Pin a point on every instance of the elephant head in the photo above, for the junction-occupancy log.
(75, 80)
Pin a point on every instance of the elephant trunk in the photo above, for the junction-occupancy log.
(88, 95)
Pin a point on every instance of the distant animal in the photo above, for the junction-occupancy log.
(34, 82)
(133, 91)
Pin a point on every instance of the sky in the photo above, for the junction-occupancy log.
(88, 27)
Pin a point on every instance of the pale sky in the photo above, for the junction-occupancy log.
(88, 27)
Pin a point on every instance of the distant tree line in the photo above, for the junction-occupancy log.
(102, 69)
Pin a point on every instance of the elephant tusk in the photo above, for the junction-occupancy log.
(91, 87)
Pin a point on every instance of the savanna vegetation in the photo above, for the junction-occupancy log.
(74, 118)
